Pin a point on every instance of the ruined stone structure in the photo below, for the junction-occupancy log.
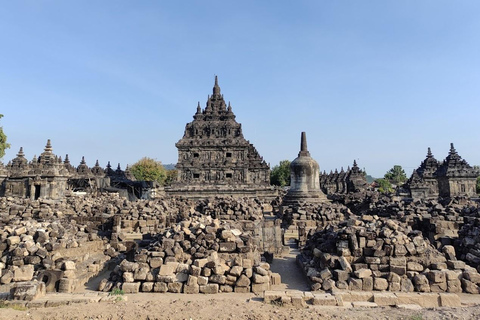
(352, 180)
(214, 158)
(48, 177)
(450, 178)
(304, 177)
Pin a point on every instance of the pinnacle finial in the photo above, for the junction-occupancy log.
(303, 145)
(20, 152)
(429, 153)
(452, 148)
(97, 164)
(83, 160)
(216, 87)
(48, 147)
(354, 162)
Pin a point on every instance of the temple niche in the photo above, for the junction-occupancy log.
(214, 158)
(450, 178)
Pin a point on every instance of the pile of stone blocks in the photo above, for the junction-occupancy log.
(197, 255)
(373, 253)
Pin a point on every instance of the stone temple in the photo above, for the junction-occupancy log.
(215, 159)
(304, 178)
(48, 177)
(450, 178)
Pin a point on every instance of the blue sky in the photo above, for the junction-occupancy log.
(376, 81)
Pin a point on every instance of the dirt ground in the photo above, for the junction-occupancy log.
(225, 306)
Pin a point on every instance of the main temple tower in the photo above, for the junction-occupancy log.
(215, 159)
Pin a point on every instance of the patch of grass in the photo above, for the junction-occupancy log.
(417, 317)
(13, 306)
(117, 292)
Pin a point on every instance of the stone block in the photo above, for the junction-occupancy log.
(380, 284)
(363, 273)
(202, 280)
(156, 262)
(454, 286)
(457, 265)
(385, 298)
(210, 288)
(324, 299)
(275, 279)
(469, 286)
(68, 265)
(269, 296)
(414, 266)
(28, 291)
(23, 273)
(364, 304)
(160, 287)
(367, 284)
(243, 281)
(227, 246)
(341, 275)
(191, 288)
(404, 298)
(450, 300)
(131, 287)
(260, 287)
(128, 277)
(437, 276)
(470, 275)
(147, 287)
(429, 300)
(241, 289)
(168, 269)
(260, 279)
(355, 284)
(175, 287)
(406, 285)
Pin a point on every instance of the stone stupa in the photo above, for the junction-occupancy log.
(304, 178)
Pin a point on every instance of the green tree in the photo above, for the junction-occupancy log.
(3, 141)
(396, 175)
(280, 174)
(148, 169)
(171, 176)
(478, 185)
(384, 186)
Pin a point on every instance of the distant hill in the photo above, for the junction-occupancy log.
(370, 179)
(169, 166)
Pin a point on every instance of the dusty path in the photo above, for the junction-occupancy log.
(225, 306)
(292, 276)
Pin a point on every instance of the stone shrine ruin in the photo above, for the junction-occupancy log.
(215, 159)
(450, 178)
(48, 177)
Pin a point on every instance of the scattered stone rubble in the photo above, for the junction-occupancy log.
(373, 253)
(195, 256)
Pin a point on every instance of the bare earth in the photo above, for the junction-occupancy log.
(228, 306)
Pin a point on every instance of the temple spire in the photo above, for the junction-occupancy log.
(216, 87)
(48, 147)
(303, 146)
(429, 153)
(452, 149)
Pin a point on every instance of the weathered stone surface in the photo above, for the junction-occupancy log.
(29, 291)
